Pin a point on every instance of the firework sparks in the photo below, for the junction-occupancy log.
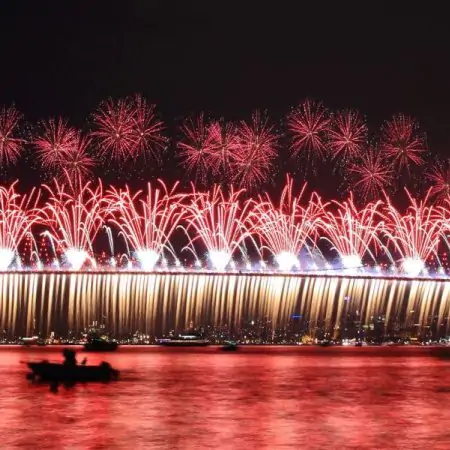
(309, 125)
(147, 222)
(220, 223)
(288, 228)
(402, 142)
(195, 148)
(439, 178)
(147, 130)
(371, 174)
(77, 162)
(54, 140)
(352, 231)
(414, 235)
(254, 160)
(18, 213)
(347, 135)
(224, 147)
(10, 142)
(116, 130)
(74, 217)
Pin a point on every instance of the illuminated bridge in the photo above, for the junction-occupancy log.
(155, 303)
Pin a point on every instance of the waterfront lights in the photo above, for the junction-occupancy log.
(413, 266)
(219, 259)
(287, 261)
(76, 258)
(351, 261)
(6, 258)
(147, 259)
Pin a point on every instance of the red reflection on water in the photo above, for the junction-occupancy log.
(256, 398)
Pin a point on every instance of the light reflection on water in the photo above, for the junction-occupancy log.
(256, 398)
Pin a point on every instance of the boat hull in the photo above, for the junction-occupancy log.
(183, 344)
(102, 347)
(52, 372)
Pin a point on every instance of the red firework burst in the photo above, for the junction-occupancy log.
(257, 150)
(371, 174)
(309, 124)
(196, 147)
(10, 143)
(347, 134)
(439, 179)
(225, 145)
(54, 140)
(147, 129)
(402, 142)
(115, 133)
(77, 162)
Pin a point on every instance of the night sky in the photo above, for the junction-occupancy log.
(227, 58)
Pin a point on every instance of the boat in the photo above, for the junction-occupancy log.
(69, 372)
(100, 345)
(33, 340)
(184, 340)
(55, 372)
(229, 346)
(98, 340)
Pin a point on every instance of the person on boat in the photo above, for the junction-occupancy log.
(70, 359)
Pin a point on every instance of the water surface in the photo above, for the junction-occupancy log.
(264, 398)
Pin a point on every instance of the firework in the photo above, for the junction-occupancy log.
(73, 217)
(147, 130)
(287, 228)
(347, 135)
(352, 231)
(18, 213)
(309, 124)
(257, 151)
(78, 163)
(115, 130)
(371, 174)
(402, 142)
(11, 143)
(219, 222)
(53, 141)
(439, 178)
(224, 147)
(196, 147)
(146, 222)
(415, 235)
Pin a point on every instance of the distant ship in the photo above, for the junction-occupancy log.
(98, 340)
(184, 340)
(33, 340)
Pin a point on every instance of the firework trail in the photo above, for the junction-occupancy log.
(53, 141)
(352, 231)
(146, 221)
(74, 215)
(257, 152)
(196, 147)
(415, 235)
(115, 130)
(18, 213)
(147, 130)
(287, 228)
(371, 175)
(11, 144)
(347, 135)
(309, 125)
(219, 222)
(402, 142)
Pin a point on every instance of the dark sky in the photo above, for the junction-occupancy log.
(227, 58)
